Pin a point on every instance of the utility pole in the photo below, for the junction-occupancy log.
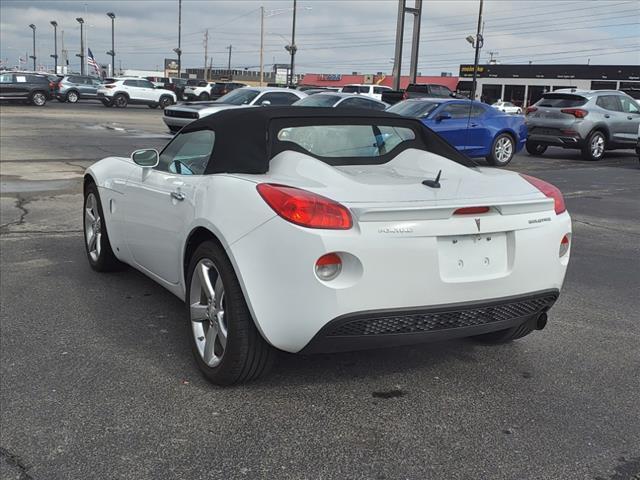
(230, 47)
(54, 24)
(397, 64)
(112, 52)
(478, 45)
(293, 45)
(80, 20)
(65, 54)
(415, 42)
(33, 27)
(210, 66)
(261, 46)
(179, 50)
(206, 47)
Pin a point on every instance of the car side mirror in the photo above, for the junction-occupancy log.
(443, 116)
(265, 103)
(147, 158)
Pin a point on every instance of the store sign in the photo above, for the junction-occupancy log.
(170, 67)
(281, 75)
(584, 72)
(330, 77)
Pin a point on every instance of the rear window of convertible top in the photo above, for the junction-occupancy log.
(347, 140)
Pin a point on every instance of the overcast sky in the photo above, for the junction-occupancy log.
(332, 36)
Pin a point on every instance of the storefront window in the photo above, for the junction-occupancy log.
(514, 94)
(600, 85)
(491, 93)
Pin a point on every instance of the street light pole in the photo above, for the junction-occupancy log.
(179, 49)
(293, 45)
(261, 46)
(415, 42)
(112, 52)
(230, 47)
(33, 27)
(55, 45)
(397, 63)
(80, 20)
(478, 45)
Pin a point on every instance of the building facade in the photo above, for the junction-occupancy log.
(525, 84)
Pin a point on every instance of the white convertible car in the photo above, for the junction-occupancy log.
(321, 230)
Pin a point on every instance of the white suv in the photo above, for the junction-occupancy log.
(373, 91)
(123, 91)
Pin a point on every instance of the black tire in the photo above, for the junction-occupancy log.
(535, 149)
(39, 99)
(153, 105)
(507, 335)
(592, 152)
(105, 260)
(165, 101)
(247, 355)
(503, 149)
(120, 100)
(107, 103)
(73, 96)
(61, 99)
(204, 96)
(174, 130)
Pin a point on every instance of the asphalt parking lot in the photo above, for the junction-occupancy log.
(97, 380)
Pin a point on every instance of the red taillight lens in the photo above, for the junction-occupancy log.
(564, 245)
(549, 190)
(328, 266)
(405, 95)
(304, 208)
(576, 112)
(112, 85)
(530, 110)
(471, 210)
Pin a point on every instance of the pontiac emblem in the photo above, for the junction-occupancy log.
(478, 223)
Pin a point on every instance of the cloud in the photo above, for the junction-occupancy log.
(332, 36)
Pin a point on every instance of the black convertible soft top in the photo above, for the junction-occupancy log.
(246, 138)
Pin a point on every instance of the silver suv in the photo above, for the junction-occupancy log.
(592, 121)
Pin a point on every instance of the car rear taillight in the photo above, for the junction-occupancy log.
(405, 95)
(471, 210)
(111, 85)
(576, 112)
(305, 208)
(549, 190)
(564, 245)
(530, 110)
(328, 266)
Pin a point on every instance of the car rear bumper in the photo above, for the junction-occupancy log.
(387, 273)
(557, 140)
(389, 328)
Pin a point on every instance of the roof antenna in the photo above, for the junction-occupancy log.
(433, 183)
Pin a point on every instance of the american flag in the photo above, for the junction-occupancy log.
(92, 62)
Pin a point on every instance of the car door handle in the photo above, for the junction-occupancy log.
(178, 196)
(474, 124)
(607, 116)
(629, 117)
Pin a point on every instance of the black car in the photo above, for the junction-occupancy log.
(222, 88)
(27, 87)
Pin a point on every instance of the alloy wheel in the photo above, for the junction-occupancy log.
(92, 227)
(503, 149)
(72, 97)
(207, 311)
(597, 145)
(39, 99)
